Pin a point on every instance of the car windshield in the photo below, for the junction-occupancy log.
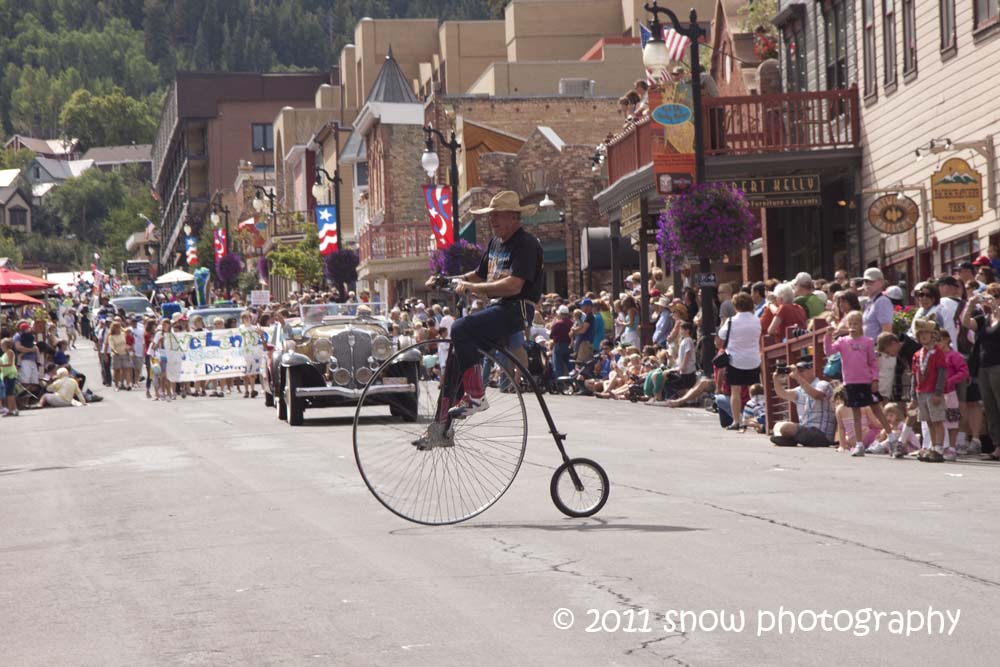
(230, 316)
(134, 304)
(314, 313)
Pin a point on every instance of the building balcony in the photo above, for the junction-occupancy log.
(752, 126)
(394, 242)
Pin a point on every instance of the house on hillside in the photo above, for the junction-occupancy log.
(56, 149)
(46, 173)
(15, 201)
(113, 158)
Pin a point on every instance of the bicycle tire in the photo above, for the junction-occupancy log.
(592, 476)
(442, 485)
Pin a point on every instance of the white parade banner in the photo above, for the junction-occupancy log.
(260, 297)
(193, 356)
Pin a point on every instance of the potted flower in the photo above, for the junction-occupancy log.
(460, 257)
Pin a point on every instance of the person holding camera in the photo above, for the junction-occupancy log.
(814, 403)
(982, 316)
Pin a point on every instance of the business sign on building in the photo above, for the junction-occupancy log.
(956, 193)
(779, 191)
(892, 214)
(672, 141)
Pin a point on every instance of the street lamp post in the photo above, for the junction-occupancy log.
(429, 161)
(655, 57)
(318, 190)
(215, 218)
(258, 203)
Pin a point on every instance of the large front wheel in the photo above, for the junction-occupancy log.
(417, 469)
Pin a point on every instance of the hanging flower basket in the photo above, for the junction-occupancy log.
(227, 269)
(459, 257)
(709, 220)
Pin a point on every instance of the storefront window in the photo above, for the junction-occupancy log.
(947, 23)
(889, 40)
(909, 37)
(795, 58)
(987, 12)
(960, 250)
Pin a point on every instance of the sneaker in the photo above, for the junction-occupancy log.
(974, 448)
(878, 448)
(435, 437)
(933, 456)
(468, 407)
(950, 454)
(859, 450)
(899, 451)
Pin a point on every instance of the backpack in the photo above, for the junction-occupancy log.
(963, 344)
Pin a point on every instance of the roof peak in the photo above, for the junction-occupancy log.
(391, 84)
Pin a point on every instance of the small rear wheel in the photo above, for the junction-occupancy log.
(583, 499)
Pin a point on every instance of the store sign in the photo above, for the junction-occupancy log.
(672, 141)
(891, 215)
(956, 193)
(631, 219)
(779, 191)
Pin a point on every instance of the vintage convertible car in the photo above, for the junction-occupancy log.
(330, 354)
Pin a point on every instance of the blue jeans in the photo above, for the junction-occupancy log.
(725, 410)
(560, 359)
(486, 328)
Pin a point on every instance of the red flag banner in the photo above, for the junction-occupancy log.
(219, 238)
(438, 201)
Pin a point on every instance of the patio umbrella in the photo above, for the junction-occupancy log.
(18, 299)
(12, 281)
(175, 276)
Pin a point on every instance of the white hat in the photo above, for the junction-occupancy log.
(506, 200)
(420, 304)
(562, 310)
(872, 274)
(540, 340)
(894, 292)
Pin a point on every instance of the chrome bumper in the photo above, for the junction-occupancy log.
(346, 392)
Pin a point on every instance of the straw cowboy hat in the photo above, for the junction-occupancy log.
(663, 302)
(506, 200)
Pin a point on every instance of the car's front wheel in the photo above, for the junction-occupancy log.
(279, 402)
(294, 407)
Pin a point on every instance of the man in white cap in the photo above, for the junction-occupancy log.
(664, 323)
(510, 274)
(806, 297)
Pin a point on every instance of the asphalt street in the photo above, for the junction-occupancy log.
(206, 532)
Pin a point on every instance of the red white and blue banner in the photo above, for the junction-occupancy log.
(219, 239)
(191, 247)
(246, 225)
(438, 201)
(326, 223)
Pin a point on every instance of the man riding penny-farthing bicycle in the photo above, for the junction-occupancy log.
(461, 449)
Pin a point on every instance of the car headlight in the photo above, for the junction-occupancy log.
(373, 363)
(364, 374)
(381, 348)
(289, 345)
(342, 376)
(322, 350)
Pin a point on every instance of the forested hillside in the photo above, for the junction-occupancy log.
(123, 53)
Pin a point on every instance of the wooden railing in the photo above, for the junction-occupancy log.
(630, 149)
(395, 241)
(787, 122)
(790, 352)
(754, 124)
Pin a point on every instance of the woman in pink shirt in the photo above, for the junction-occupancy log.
(860, 372)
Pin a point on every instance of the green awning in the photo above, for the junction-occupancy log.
(554, 252)
(468, 232)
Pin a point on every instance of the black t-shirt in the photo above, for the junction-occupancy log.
(988, 340)
(519, 256)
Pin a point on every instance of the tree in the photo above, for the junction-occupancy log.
(82, 203)
(11, 159)
(9, 248)
(300, 261)
(107, 120)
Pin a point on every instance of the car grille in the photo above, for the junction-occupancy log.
(350, 357)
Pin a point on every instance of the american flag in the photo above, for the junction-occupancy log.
(246, 225)
(326, 223)
(676, 43)
(150, 227)
(191, 246)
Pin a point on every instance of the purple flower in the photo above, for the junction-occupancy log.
(459, 257)
(709, 220)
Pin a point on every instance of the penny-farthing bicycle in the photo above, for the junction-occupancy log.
(428, 468)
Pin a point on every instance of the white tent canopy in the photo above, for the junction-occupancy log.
(175, 276)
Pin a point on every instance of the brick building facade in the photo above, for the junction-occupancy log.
(546, 165)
